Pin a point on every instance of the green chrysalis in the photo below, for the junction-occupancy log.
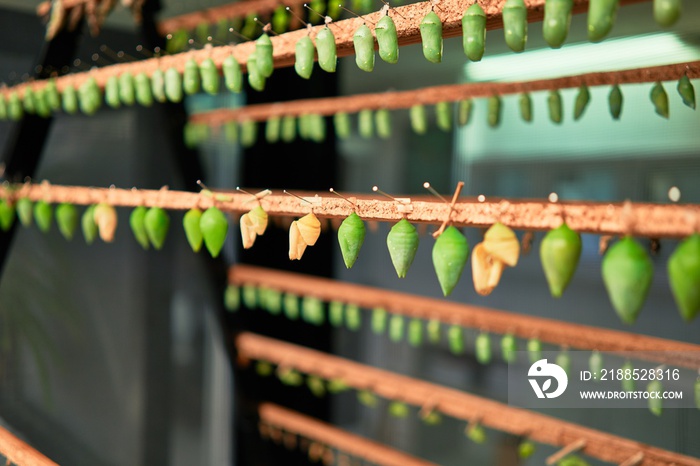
(557, 19)
(525, 107)
(443, 115)
(336, 311)
(351, 235)
(232, 298)
(289, 128)
(15, 110)
(419, 119)
(667, 12)
(627, 383)
(127, 92)
(627, 273)
(214, 227)
(582, 99)
(209, 76)
(379, 320)
(249, 133)
(563, 360)
(431, 37)
(67, 219)
(655, 389)
(233, 76)
(396, 328)
(474, 32)
(555, 107)
(88, 225)
(363, 40)
(615, 102)
(684, 277)
(43, 214)
(415, 332)
(686, 91)
(191, 81)
(601, 17)
(353, 317)
(455, 338)
(660, 99)
(304, 57)
(464, 111)
(595, 365)
(255, 78)
(144, 91)
(494, 111)
(450, 254)
(534, 350)
(25, 211)
(7, 215)
(515, 24)
(402, 242)
(173, 85)
(157, 222)
(325, 45)
(263, 55)
(432, 328)
(482, 348)
(272, 129)
(341, 122)
(509, 348)
(193, 233)
(365, 123)
(387, 39)
(112, 92)
(382, 119)
(137, 222)
(51, 95)
(559, 254)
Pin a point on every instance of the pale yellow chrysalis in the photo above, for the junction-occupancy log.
(297, 246)
(486, 270)
(501, 242)
(309, 228)
(106, 219)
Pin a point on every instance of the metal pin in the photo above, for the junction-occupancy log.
(297, 16)
(404, 203)
(266, 27)
(238, 34)
(385, 9)
(353, 13)
(340, 195)
(326, 19)
(314, 201)
(145, 52)
(427, 186)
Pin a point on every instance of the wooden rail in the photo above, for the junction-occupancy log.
(638, 219)
(460, 405)
(327, 434)
(559, 333)
(20, 453)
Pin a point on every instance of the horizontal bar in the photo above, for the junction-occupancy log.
(460, 405)
(407, 19)
(638, 219)
(20, 453)
(451, 93)
(559, 333)
(327, 434)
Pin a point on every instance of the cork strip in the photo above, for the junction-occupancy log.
(19, 453)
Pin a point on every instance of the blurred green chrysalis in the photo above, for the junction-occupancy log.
(280, 20)
(88, 224)
(112, 92)
(43, 214)
(363, 40)
(615, 102)
(432, 328)
(255, 79)
(419, 119)
(233, 76)
(288, 130)
(25, 210)
(474, 32)
(464, 111)
(351, 235)
(353, 317)
(341, 122)
(686, 91)
(382, 119)
(431, 37)
(249, 133)
(127, 92)
(443, 115)
(667, 12)
(525, 107)
(193, 233)
(191, 81)
(379, 320)
(450, 254)
(509, 348)
(263, 55)
(213, 225)
(396, 328)
(415, 332)
(336, 311)
(515, 24)
(365, 123)
(555, 106)
(534, 350)
(494, 111)
(601, 17)
(557, 19)
(137, 222)
(654, 388)
(15, 110)
(660, 99)
(387, 39)
(455, 337)
(402, 242)
(67, 219)
(304, 57)
(273, 126)
(144, 92)
(209, 75)
(173, 85)
(7, 214)
(482, 348)
(325, 46)
(582, 99)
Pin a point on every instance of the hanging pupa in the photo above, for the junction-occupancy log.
(253, 223)
(67, 219)
(559, 254)
(43, 214)
(387, 39)
(88, 225)
(190, 77)
(7, 215)
(233, 76)
(687, 91)
(557, 19)
(660, 99)
(304, 57)
(214, 227)
(582, 99)
(627, 273)
(351, 235)
(25, 211)
(419, 118)
(263, 55)
(486, 270)
(474, 32)
(363, 41)
(302, 233)
(106, 221)
(515, 24)
(325, 46)
(190, 223)
(137, 223)
(684, 276)
(209, 75)
(615, 102)
(667, 12)
(601, 17)
(501, 242)
(402, 242)
(157, 223)
(450, 254)
(431, 37)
